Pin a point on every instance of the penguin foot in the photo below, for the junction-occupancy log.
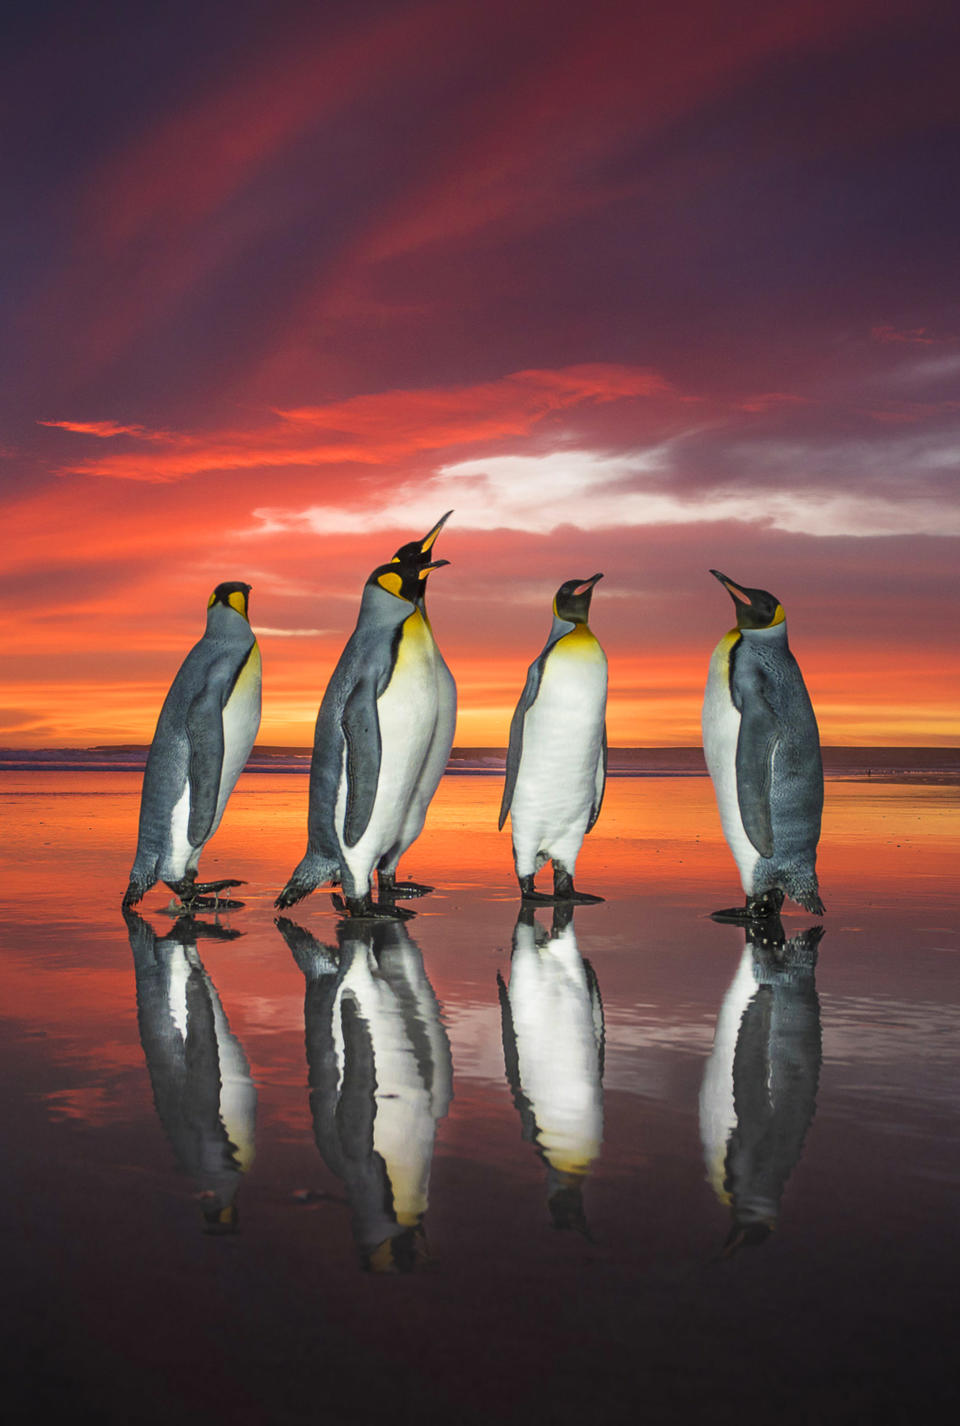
(546, 898)
(754, 909)
(406, 889)
(733, 916)
(196, 895)
(212, 903)
(364, 908)
(537, 898)
(564, 890)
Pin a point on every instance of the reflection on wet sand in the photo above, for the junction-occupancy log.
(553, 1041)
(380, 1076)
(759, 1089)
(200, 1077)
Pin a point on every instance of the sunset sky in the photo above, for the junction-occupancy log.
(635, 287)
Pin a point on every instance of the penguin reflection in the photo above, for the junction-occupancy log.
(201, 1081)
(758, 1095)
(553, 1042)
(380, 1075)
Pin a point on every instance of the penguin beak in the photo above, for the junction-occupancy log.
(732, 589)
(587, 585)
(424, 570)
(426, 544)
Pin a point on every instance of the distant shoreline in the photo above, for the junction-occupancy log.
(879, 764)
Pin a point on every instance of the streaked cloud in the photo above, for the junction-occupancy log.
(377, 429)
(106, 429)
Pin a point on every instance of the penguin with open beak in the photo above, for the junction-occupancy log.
(374, 735)
(417, 553)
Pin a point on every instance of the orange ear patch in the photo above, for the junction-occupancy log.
(391, 582)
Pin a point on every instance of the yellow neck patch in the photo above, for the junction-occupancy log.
(580, 640)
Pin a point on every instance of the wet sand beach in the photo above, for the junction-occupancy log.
(706, 1086)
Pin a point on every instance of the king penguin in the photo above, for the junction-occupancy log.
(373, 738)
(557, 758)
(762, 748)
(759, 1090)
(381, 1079)
(205, 732)
(202, 1086)
(553, 1048)
(417, 553)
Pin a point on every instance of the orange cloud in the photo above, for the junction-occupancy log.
(379, 429)
(106, 429)
(915, 336)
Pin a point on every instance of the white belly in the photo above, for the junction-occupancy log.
(241, 723)
(558, 1057)
(406, 1115)
(180, 854)
(721, 730)
(407, 714)
(436, 758)
(562, 746)
(718, 1117)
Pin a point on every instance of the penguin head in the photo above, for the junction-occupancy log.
(572, 600)
(233, 596)
(416, 555)
(756, 609)
(403, 580)
(417, 552)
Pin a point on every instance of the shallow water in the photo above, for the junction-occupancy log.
(565, 1160)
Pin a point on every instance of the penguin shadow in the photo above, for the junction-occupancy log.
(553, 1051)
(759, 1088)
(380, 1075)
(202, 1087)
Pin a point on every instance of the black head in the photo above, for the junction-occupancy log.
(572, 600)
(403, 580)
(417, 552)
(756, 609)
(234, 595)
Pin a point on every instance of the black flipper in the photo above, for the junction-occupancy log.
(511, 1064)
(756, 744)
(361, 731)
(514, 752)
(601, 782)
(205, 734)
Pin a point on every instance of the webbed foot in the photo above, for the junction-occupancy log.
(390, 888)
(564, 890)
(366, 909)
(755, 908)
(203, 895)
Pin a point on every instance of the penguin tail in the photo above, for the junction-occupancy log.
(809, 898)
(312, 872)
(293, 892)
(135, 892)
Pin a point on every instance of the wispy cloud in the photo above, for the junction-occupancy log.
(106, 429)
(590, 491)
(378, 429)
